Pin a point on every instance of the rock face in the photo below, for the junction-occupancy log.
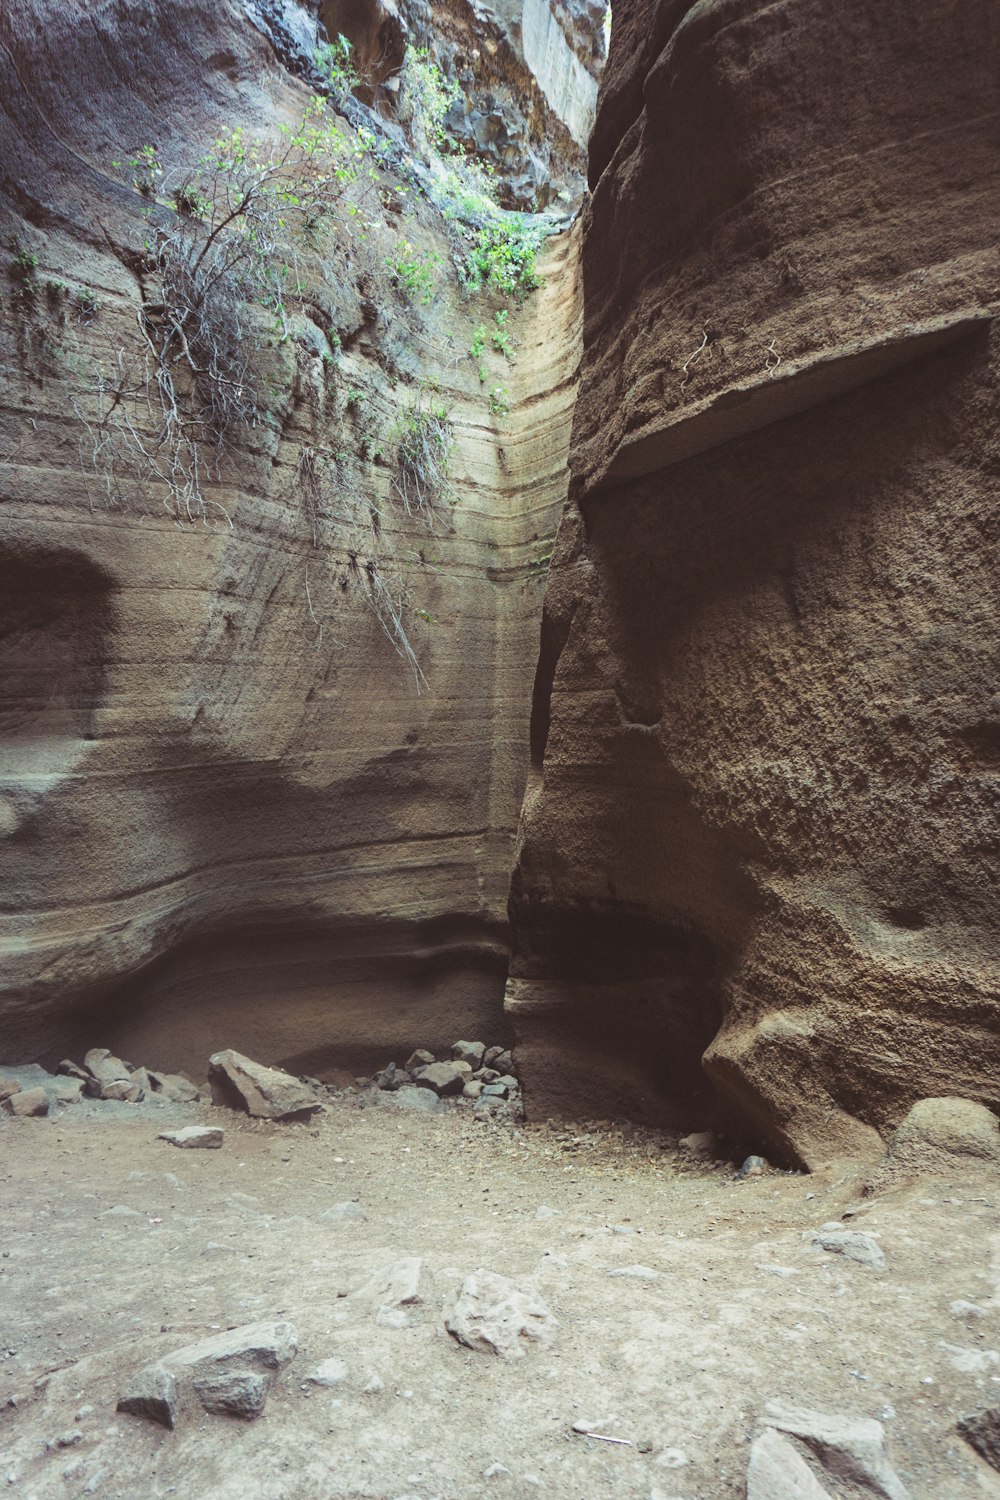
(230, 813)
(759, 838)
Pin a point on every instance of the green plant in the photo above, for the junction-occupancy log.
(424, 441)
(355, 396)
(414, 271)
(335, 63)
(500, 338)
(503, 256)
(429, 95)
(478, 346)
(499, 402)
(219, 247)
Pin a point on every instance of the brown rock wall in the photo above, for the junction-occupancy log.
(228, 816)
(759, 848)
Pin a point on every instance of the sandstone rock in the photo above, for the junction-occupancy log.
(265, 1093)
(503, 1062)
(851, 1449)
(419, 1059)
(8, 1086)
(194, 1137)
(233, 1393)
(104, 1066)
(71, 1069)
(490, 1057)
(712, 659)
(404, 1284)
(472, 1089)
(443, 1078)
(938, 1129)
(469, 1052)
(122, 1089)
(151, 1393)
(27, 1103)
(777, 1471)
(497, 1316)
(853, 1244)
(173, 1086)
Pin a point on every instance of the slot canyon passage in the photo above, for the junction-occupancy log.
(499, 726)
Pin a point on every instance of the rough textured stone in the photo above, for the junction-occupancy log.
(105, 1067)
(194, 1137)
(443, 1078)
(752, 877)
(938, 1130)
(497, 1316)
(256, 1346)
(8, 1086)
(265, 1093)
(304, 879)
(419, 1059)
(151, 1393)
(233, 1393)
(26, 1103)
(469, 1052)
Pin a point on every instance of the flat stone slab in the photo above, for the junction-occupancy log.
(194, 1137)
(266, 1093)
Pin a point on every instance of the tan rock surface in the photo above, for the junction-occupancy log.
(760, 827)
(227, 815)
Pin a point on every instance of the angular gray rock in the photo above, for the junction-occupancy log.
(491, 1054)
(173, 1086)
(419, 1059)
(853, 1244)
(8, 1087)
(122, 1089)
(468, 1052)
(777, 1471)
(329, 1372)
(503, 1062)
(265, 1093)
(233, 1393)
(349, 1209)
(491, 1314)
(397, 1287)
(473, 1089)
(851, 1449)
(393, 1077)
(194, 1137)
(151, 1393)
(444, 1078)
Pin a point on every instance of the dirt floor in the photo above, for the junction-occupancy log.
(686, 1300)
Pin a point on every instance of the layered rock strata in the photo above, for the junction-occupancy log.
(231, 813)
(759, 850)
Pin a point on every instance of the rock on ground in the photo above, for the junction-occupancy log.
(498, 1316)
(265, 1093)
(851, 1449)
(778, 1471)
(151, 1393)
(194, 1137)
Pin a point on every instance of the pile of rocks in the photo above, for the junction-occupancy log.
(32, 1090)
(486, 1076)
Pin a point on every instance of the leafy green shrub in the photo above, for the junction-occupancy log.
(499, 402)
(503, 256)
(429, 96)
(414, 271)
(335, 63)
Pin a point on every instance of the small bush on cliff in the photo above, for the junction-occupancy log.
(424, 440)
(219, 244)
(334, 61)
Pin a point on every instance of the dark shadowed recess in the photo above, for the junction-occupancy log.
(343, 994)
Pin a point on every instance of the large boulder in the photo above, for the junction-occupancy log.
(265, 1093)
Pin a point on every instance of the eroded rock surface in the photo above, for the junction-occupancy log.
(230, 812)
(759, 844)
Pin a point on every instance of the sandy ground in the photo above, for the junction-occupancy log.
(117, 1248)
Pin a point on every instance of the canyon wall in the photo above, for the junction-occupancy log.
(233, 812)
(757, 870)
